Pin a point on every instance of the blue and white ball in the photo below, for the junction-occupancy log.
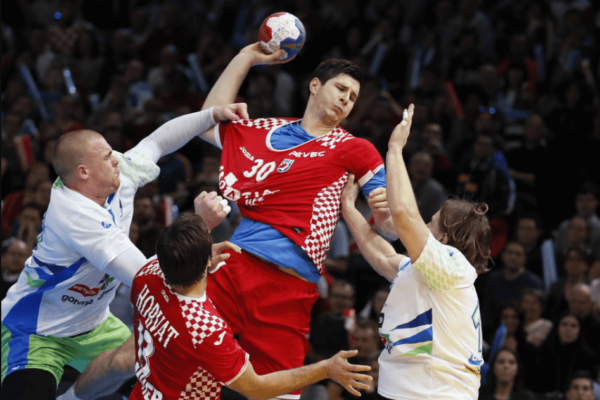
(282, 31)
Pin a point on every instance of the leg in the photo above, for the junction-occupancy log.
(107, 372)
(19, 385)
(106, 367)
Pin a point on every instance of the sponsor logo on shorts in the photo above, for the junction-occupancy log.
(84, 290)
(70, 299)
(285, 165)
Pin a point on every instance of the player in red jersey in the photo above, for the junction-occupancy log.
(286, 176)
(184, 349)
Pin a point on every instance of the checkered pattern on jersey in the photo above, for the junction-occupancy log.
(262, 123)
(202, 385)
(325, 216)
(200, 323)
(334, 137)
(151, 269)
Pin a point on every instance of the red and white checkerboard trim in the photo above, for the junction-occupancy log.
(199, 322)
(325, 216)
(152, 269)
(202, 385)
(334, 137)
(262, 123)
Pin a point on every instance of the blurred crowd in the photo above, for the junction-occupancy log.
(507, 97)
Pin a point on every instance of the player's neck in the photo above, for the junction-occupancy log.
(196, 291)
(315, 126)
(81, 189)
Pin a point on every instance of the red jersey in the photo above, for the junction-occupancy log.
(296, 191)
(184, 350)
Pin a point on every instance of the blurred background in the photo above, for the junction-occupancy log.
(507, 97)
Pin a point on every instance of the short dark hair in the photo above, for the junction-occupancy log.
(532, 216)
(580, 374)
(367, 324)
(335, 66)
(184, 249)
(589, 188)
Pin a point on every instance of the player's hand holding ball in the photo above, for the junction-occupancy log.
(281, 36)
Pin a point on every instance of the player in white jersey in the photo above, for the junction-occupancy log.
(430, 323)
(57, 312)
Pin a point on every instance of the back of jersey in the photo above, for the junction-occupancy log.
(184, 350)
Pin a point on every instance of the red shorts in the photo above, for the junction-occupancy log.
(268, 309)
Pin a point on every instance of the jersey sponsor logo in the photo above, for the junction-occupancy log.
(70, 299)
(476, 360)
(247, 154)
(106, 224)
(84, 290)
(311, 154)
(285, 165)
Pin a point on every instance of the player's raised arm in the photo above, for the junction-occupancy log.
(174, 134)
(337, 368)
(410, 226)
(376, 250)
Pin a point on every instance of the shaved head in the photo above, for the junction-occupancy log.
(70, 151)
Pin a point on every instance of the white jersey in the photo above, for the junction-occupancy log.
(431, 328)
(63, 289)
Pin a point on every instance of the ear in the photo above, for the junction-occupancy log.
(82, 172)
(314, 86)
(444, 239)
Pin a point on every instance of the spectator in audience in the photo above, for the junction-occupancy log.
(586, 205)
(329, 333)
(430, 194)
(28, 224)
(470, 16)
(336, 263)
(528, 234)
(145, 215)
(581, 386)
(536, 328)
(527, 161)
(14, 254)
(508, 284)
(115, 100)
(372, 309)
(482, 178)
(576, 266)
(581, 305)
(505, 379)
(169, 63)
(563, 353)
(88, 61)
(139, 90)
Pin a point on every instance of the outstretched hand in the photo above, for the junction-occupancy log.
(218, 257)
(231, 112)
(350, 192)
(340, 370)
(258, 56)
(400, 134)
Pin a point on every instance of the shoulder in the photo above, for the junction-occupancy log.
(261, 123)
(201, 319)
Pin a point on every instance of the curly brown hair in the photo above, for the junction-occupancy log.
(468, 229)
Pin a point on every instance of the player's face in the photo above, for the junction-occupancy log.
(102, 167)
(335, 99)
(580, 389)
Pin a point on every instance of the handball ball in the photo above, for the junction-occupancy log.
(282, 31)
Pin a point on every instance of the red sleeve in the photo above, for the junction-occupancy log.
(223, 128)
(221, 355)
(363, 160)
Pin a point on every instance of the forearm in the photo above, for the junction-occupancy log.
(405, 213)
(126, 265)
(283, 382)
(373, 247)
(174, 134)
(387, 226)
(229, 83)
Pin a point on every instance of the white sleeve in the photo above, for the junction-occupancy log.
(96, 237)
(126, 265)
(443, 267)
(172, 135)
